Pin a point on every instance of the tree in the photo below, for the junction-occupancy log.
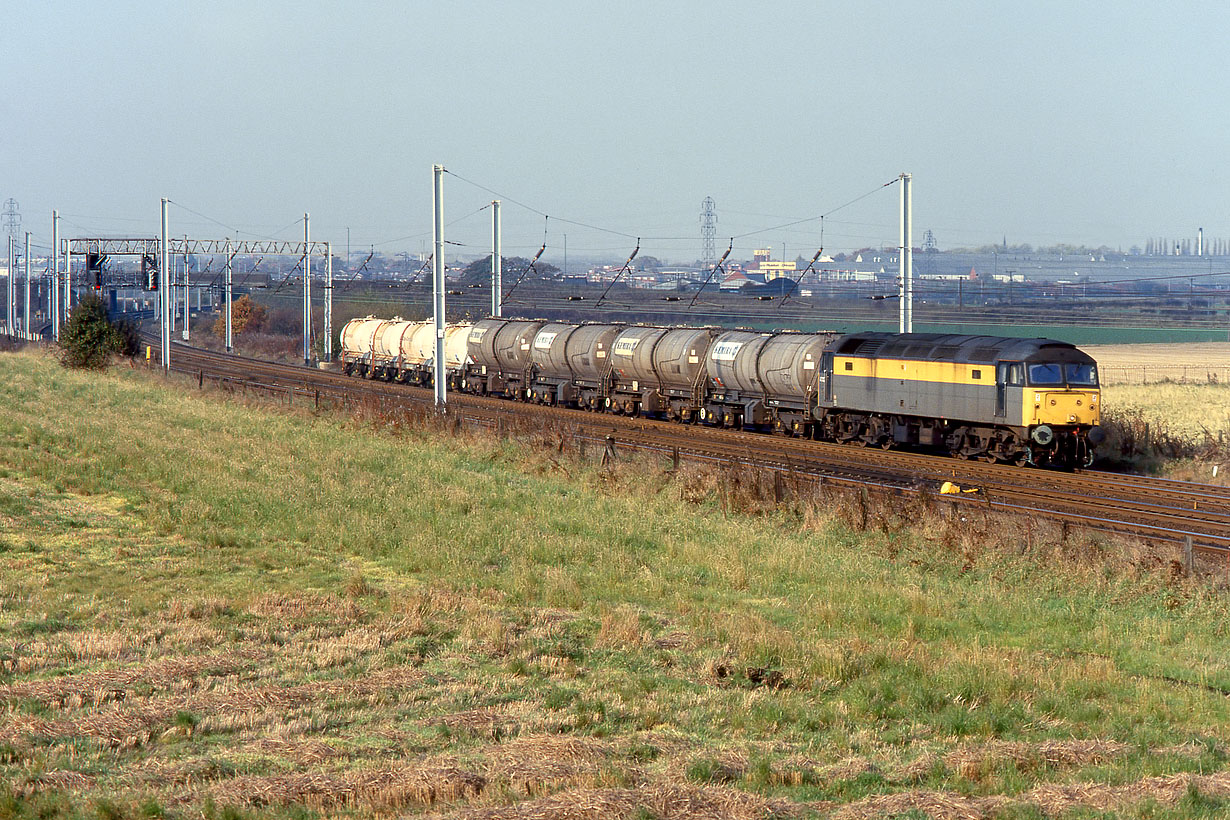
(89, 338)
(511, 269)
(245, 315)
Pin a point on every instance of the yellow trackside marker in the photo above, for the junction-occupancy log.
(148, 348)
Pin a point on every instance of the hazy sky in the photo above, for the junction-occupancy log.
(1047, 122)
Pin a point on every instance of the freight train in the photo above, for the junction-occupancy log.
(1020, 401)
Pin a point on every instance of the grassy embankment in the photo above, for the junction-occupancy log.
(211, 608)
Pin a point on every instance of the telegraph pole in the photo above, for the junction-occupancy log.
(437, 278)
(165, 293)
(497, 265)
(307, 289)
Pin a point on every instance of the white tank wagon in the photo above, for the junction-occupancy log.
(768, 379)
(358, 338)
(659, 370)
(500, 356)
(392, 346)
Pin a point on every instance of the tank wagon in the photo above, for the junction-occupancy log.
(1024, 401)
(500, 357)
(765, 379)
(401, 351)
(659, 371)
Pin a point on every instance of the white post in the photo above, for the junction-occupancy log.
(25, 323)
(497, 265)
(306, 289)
(166, 292)
(10, 307)
(226, 252)
(329, 300)
(68, 280)
(908, 250)
(187, 288)
(437, 279)
(901, 260)
(55, 275)
(10, 311)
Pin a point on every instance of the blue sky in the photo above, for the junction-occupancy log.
(1045, 122)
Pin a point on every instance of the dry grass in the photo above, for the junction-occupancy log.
(628, 641)
(1052, 800)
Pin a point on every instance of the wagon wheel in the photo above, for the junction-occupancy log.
(886, 443)
(990, 457)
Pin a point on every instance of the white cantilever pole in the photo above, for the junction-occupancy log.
(908, 251)
(226, 253)
(328, 301)
(437, 278)
(497, 284)
(55, 275)
(307, 289)
(10, 295)
(187, 288)
(25, 322)
(167, 291)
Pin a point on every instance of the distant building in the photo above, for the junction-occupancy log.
(763, 263)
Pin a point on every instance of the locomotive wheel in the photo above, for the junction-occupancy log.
(886, 443)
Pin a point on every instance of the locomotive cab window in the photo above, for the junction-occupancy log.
(849, 365)
(1046, 375)
(1081, 375)
(975, 374)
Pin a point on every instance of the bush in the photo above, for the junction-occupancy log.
(90, 337)
(246, 315)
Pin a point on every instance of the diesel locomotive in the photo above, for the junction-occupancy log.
(1021, 401)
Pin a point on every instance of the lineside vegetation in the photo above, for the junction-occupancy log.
(212, 607)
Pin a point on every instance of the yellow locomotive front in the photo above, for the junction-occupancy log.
(1061, 408)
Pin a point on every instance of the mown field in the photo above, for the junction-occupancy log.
(213, 608)
(1186, 363)
(1167, 408)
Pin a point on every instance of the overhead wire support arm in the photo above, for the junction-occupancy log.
(716, 267)
(621, 272)
(525, 272)
(810, 266)
(794, 285)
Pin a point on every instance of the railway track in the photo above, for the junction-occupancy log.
(1138, 506)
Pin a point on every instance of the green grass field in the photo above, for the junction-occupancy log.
(214, 608)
